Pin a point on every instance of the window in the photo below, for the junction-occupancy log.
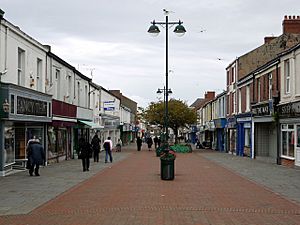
(240, 100)
(270, 86)
(21, 67)
(86, 96)
(287, 76)
(12, 104)
(234, 102)
(39, 74)
(78, 92)
(247, 98)
(258, 90)
(57, 77)
(247, 137)
(287, 140)
(9, 144)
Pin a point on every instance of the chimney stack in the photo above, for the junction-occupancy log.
(210, 95)
(268, 39)
(291, 24)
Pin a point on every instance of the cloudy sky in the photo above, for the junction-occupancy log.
(109, 39)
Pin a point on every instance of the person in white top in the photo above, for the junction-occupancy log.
(108, 146)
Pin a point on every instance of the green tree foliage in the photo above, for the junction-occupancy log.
(180, 115)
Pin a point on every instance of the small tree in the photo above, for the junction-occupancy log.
(180, 115)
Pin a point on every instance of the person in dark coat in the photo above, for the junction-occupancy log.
(149, 142)
(139, 142)
(36, 156)
(85, 153)
(96, 147)
(155, 142)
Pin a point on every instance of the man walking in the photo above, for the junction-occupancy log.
(107, 145)
(96, 147)
(85, 153)
(139, 143)
(36, 156)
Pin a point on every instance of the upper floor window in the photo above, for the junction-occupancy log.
(247, 98)
(258, 90)
(234, 102)
(232, 74)
(39, 74)
(86, 96)
(21, 67)
(270, 85)
(78, 93)
(58, 83)
(287, 76)
(240, 100)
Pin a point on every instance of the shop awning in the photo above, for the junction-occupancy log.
(92, 125)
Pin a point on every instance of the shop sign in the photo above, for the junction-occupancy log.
(220, 123)
(261, 109)
(290, 109)
(231, 122)
(109, 105)
(244, 119)
(27, 106)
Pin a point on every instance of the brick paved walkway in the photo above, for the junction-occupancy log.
(131, 192)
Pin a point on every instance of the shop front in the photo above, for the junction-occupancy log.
(264, 142)
(60, 131)
(220, 133)
(24, 114)
(289, 115)
(231, 134)
(244, 129)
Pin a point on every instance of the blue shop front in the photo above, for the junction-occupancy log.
(221, 134)
(244, 131)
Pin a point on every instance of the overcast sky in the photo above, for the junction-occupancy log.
(109, 39)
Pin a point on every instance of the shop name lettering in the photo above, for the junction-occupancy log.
(261, 110)
(31, 107)
(290, 109)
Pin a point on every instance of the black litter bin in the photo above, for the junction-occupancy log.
(167, 169)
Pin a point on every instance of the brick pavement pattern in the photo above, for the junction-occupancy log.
(130, 192)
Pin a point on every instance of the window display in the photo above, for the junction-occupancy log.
(9, 145)
(287, 140)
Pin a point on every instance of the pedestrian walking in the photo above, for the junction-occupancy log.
(96, 147)
(158, 142)
(85, 153)
(35, 156)
(139, 142)
(149, 143)
(119, 145)
(107, 145)
(155, 141)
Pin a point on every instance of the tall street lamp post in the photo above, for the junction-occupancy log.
(164, 91)
(180, 31)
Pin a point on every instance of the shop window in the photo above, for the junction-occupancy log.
(9, 145)
(20, 143)
(247, 137)
(51, 143)
(288, 141)
(12, 104)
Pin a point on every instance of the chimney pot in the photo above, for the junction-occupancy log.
(291, 24)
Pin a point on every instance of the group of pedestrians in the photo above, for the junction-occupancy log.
(149, 141)
(86, 150)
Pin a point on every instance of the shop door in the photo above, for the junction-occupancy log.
(297, 158)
